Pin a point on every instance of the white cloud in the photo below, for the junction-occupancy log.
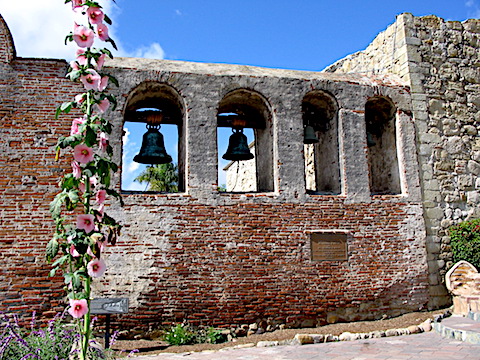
(154, 51)
(39, 29)
(132, 167)
(473, 9)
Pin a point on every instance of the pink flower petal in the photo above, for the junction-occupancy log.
(76, 170)
(75, 125)
(91, 80)
(83, 36)
(86, 222)
(82, 153)
(102, 32)
(101, 61)
(101, 196)
(95, 15)
(103, 105)
(78, 308)
(96, 268)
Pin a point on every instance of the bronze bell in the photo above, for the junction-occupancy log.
(238, 149)
(153, 148)
(309, 136)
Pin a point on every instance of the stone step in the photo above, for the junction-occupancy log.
(459, 328)
(473, 315)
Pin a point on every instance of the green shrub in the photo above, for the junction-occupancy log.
(465, 242)
(179, 335)
(215, 336)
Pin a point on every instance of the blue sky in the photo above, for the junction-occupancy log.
(301, 34)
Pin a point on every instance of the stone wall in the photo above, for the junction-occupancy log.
(440, 61)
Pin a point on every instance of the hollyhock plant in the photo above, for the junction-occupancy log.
(100, 61)
(91, 80)
(96, 268)
(101, 196)
(103, 105)
(81, 57)
(76, 247)
(76, 170)
(73, 251)
(82, 153)
(103, 83)
(86, 222)
(78, 308)
(103, 142)
(95, 15)
(75, 125)
(102, 32)
(83, 36)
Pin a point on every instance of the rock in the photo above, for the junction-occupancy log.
(346, 336)
(303, 339)
(426, 326)
(267, 343)
(391, 332)
(413, 329)
(317, 338)
(250, 332)
(253, 326)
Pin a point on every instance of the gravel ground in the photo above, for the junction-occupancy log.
(151, 347)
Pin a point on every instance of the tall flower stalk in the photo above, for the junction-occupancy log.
(83, 228)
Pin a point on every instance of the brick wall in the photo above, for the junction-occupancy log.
(210, 257)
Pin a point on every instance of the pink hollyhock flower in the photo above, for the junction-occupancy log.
(101, 61)
(95, 15)
(103, 83)
(78, 308)
(103, 142)
(76, 4)
(102, 245)
(96, 268)
(102, 32)
(79, 98)
(91, 80)
(86, 222)
(82, 153)
(76, 170)
(103, 105)
(73, 251)
(81, 57)
(83, 36)
(101, 196)
(76, 124)
(74, 65)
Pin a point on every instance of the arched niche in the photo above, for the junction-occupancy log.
(256, 174)
(156, 96)
(383, 167)
(322, 170)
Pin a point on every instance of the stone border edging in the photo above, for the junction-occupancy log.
(448, 332)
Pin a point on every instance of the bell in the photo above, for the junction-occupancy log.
(153, 149)
(309, 136)
(237, 147)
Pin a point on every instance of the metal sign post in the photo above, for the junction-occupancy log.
(108, 307)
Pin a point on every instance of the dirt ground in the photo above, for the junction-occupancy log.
(154, 347)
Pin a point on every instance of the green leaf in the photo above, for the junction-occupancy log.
(108, 20)
(52, 272)
(90, 137)
(113, 43)
(68, 38)
(113, 79)
(60, 261)
(52, 249)
(56, 204)
(107, 52)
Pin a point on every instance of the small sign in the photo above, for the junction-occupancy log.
(109, 306)
(329, 245)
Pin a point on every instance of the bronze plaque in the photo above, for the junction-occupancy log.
(329, 246)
